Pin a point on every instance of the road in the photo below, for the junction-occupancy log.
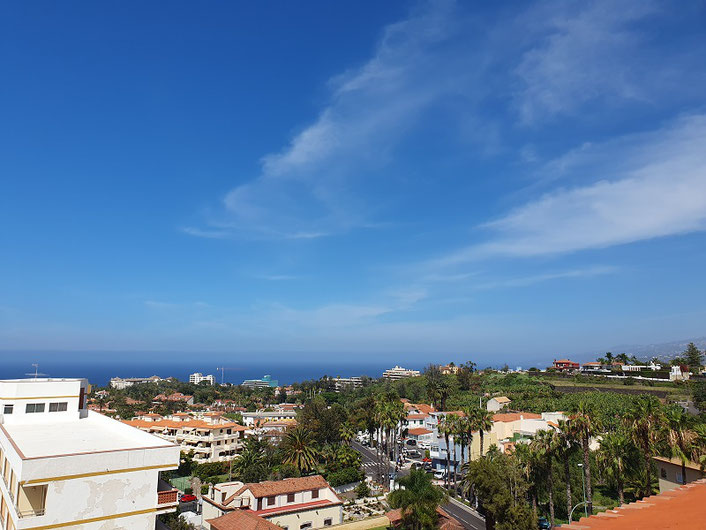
(468, 517)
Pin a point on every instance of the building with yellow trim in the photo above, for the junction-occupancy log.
(63, 466)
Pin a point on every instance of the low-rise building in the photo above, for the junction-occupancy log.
(594, 367)
(497, 403)
(565, 365)
(670, 472)
(212, 438)
(400, 373)
(64, 466)
(449, 369)
(251, 419)
(292, 503)
(265, 382)
(198, 377)
(120, 383)
(176, 397)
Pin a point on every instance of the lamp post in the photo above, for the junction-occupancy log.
(583, 484)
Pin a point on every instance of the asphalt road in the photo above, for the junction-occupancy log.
(462, 513)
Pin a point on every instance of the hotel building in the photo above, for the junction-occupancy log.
(399, 373)
(64, 466)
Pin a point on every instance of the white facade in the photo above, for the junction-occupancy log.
(65, 467)
(198, 377)
(120, 383)
(251, 419)
(497, 403)
(400, 373)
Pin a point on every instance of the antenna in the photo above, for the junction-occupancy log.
(36, 371)
(223, 372)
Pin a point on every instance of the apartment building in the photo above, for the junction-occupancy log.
(120, 383)
(64, 466)
(400, 373)
(292, 503)
(343, 383)
(212, 438)
(251, 419)
(198, 377)
(265, 382)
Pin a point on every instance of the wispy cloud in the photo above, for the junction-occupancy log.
(587, 272)
(659, 189)
(276, 277)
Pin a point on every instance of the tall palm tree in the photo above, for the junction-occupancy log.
(347, 432)
(298, 449)
(418, 500)
(567, 444)
(484, 423)
(546, 444)
(615, 459)
(530, 461)
(455, 434)
(643, 421)
(445, 427)
(680, 437)
(584, 425)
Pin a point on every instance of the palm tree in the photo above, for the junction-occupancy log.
(546, 444)
(298, 449)
(347, 432)
(680, 437)
(484, 423)
(615, 459)
(567, 443)
(418, 500)
(643, 421)
(456, 430)
(445, 427)
(584, 425)
(529, 460)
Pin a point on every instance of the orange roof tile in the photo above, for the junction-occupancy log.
(197, 424)
(241, 520)
(680, 508)
(280, 487)
(418, 431)
(514, 416)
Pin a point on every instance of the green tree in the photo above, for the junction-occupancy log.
(253, 464)
(418, 500)
(679, 436)
(445, 427)
(584, 426)
(693, 357)
(298, 448)
(483, 420)
(643, 421)
(546, 444)
(616, 457)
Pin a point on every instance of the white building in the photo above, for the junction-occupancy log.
(120, 383)
(342, 383)
(66, 467)
(251, 419)
(497, 403)
(212, 438)
(400, 373)
(292, 503)
(198, 377)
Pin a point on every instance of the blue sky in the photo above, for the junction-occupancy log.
(368, 180)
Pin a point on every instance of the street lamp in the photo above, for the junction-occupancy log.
(583, 484)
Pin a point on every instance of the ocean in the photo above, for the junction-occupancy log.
(100, 367)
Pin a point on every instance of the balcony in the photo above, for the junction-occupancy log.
(166, 494)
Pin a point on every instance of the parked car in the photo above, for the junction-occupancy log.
(411, 443)
(414, 454)
(543, 524)
(439, 475)
(187, 498)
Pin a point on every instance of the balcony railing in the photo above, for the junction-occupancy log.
(166, 493)
(31, 513)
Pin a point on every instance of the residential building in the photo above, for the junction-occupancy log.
(415, 420)
(265, 382)
(64, 466)
(176, 397)
(670, 472)
(120, 383)
(595, 368)
(520, 427)
(565, 365)
(422, 436)
(212, 438)
(400, 373)
(342, 383)
(251, 419)
(449, 369)
(681, 508)
(497, 403)
(292, 503)
(241, 520)
(198, 377)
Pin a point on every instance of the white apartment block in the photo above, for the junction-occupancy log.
(66, 467)
(198, 377)
(119, 383)
(292, 503)
(400, 373)
(253, 419)
(342, 383)
(212, 438)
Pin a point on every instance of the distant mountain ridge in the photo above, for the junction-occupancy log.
(665, 350)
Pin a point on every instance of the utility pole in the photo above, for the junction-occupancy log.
(223, 373)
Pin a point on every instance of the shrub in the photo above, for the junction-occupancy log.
(345, 476)
(362, 490)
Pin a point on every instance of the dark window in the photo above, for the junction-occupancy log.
(58, 407)
(8, 409)
(328, 522)
(270, 500)
(663, 473)
(305, 525)
(82, 398)
(34, 407)
(290, 497)
(314, 494)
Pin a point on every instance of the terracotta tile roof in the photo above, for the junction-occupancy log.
(681, 508)
(196, 424)
(421, 407)
(592, 363)
(502, 399)
(301, 507)
(677, 462)
(514, 416)
(281, 487)
(458, 413)
(418, 431)
(417, 416)
(241, 520)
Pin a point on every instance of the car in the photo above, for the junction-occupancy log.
(439, 474)
(411, 443)
(543, 524)
(414, 454)
(187, 498)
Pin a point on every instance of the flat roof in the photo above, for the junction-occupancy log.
(44, 380)
(93, 434)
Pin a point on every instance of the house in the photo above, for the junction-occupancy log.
(681, 508)
(65, 466)
(496, 403)
(212, 439)
(444, 522)
(292, 503)
(422, 436)
(241, 520)
(418, 408)
(565, 365)
(261, 417)
(449, 369)
(595, 368)
(522, 426)
(670, 472)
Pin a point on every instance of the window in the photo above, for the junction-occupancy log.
(34, 407)
(271, 501)
(680, 480)
(663, 473)
(314, 494)
(328, 522)
(290, 497)
(305, 525)
(58, 407)
(8, 409)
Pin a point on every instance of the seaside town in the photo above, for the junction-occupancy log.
(570, 445)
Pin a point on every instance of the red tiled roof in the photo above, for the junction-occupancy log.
(681, 508)
(280, 487)
(514, 416)
(196, 424)
(417, 416)
(296, 507)
(418, 431)
(241, 520)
